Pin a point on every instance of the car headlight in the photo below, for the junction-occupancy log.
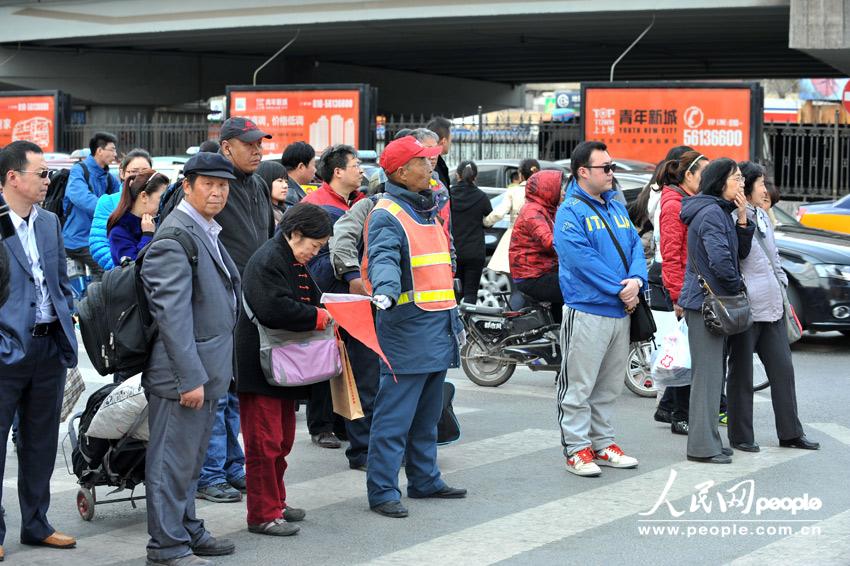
(833, 271)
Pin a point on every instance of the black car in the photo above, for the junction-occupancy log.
(818, 266)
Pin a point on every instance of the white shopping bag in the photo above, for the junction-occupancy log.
(671, 362)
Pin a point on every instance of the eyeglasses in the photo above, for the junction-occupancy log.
(357, 165)
(43, 173)
(607, 168)
(738, 179)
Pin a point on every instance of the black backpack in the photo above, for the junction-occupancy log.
(115, 321)
(54, 201)
(170, 199)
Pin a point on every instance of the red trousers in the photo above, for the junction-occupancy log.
(268, 430)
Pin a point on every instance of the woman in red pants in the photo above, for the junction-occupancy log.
(281, 294)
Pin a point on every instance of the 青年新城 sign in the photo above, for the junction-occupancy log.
(644, 122)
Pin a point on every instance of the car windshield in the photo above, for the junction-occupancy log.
(783, 218)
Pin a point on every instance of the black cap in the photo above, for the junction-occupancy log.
(242, 129)
(209, 165)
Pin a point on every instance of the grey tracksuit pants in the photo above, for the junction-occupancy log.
(595, 352)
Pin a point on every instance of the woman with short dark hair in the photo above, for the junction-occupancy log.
(766, 283)
(715, 242)
(277, 180)
(281, 294)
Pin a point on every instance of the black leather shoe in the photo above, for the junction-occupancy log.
(746, 446)
(663, 416)
(214, 547)
(392, 509)
(727, 451)
(802, 442)
(445, 493)
(679, 427)
(719, 459)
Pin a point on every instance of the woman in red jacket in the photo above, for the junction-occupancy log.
(680, 178)
(534, 264)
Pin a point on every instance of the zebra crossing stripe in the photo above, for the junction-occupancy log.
(836, 431)
(828, 546)
(498, 539)
(129, 542)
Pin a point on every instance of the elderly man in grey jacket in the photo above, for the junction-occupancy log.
(191, 362)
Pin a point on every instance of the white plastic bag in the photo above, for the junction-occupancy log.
(119, 412)
(671, 362)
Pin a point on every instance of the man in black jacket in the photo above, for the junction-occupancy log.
(299, 158)
(443, 128)
(247, 223)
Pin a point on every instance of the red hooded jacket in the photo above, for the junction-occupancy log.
(674, 242)
(532, 251)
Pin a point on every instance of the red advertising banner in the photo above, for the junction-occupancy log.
(319, 117)
(29, 118)
(644, 123)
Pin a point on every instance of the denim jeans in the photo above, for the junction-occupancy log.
(225, 460)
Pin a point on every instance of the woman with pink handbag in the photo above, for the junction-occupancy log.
(279, 295)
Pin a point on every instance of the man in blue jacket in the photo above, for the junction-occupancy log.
(81, 198)
(600, 291)
(407, 267)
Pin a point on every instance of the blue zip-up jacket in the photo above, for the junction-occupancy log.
(715, 244)
(98, 238)
(126, 239)
(82, 201)
(415, 341)
(590, 268)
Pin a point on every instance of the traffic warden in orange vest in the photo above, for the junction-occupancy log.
(407, 269)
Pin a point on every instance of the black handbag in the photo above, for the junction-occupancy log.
(642, 324)
(724, 315)
(659, 296)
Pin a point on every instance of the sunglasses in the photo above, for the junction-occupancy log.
(43, 173)
(607, 168)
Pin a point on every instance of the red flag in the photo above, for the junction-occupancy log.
(354, 314)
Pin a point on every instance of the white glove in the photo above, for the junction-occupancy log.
(382, 302)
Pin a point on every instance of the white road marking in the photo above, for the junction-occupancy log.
(825, 543)
(838, 432)
(498, 539)
(129, 542)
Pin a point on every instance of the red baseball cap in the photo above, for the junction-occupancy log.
(399, 152)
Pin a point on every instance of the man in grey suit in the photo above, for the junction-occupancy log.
(191, 362)
(37, 340)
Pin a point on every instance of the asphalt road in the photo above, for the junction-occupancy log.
(781, 505)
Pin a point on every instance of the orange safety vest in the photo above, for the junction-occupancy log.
(430, 261)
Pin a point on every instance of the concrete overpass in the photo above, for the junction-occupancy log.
(437, 56)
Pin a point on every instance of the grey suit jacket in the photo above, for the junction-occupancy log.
(17, 315)
(196, 319)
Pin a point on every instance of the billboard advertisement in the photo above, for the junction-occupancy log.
(31, 116)
(822, 89)
(321, 115)
(644, 120)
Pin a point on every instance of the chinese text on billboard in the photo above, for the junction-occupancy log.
(644, 123)
(319, 117)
